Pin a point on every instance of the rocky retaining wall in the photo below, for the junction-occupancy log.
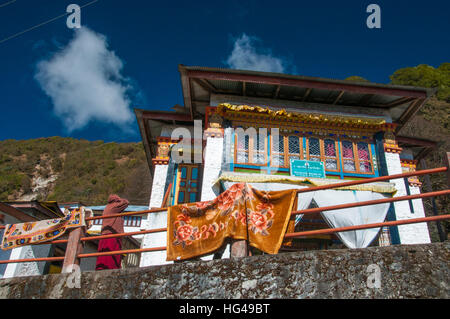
(413, 271)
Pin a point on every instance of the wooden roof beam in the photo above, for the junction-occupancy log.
(399, 101)
(277, 91)
(338, 97)
(307, 93)
(415, 141)
(206, 85)
(412, 109)
(155, 115)
(14, 212)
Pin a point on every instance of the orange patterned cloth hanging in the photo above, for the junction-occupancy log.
(241, 212)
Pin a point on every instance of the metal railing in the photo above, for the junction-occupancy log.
(77, 237)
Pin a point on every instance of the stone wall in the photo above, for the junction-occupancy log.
(413, 271)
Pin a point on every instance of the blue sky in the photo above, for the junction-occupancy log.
(146, 40)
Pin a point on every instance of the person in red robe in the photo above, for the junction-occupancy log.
(116, 205)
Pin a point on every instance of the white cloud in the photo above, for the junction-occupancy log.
(245, 56)
(85, 83)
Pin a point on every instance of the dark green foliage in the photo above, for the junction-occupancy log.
(356, 78)
(87, 171)
(426, 76)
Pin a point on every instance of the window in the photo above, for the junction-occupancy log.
(294, 147)
(357, 157)
(284, 148)
(251, 149)
(278, 151)
(365, 165)
(128, 221)
(132, 221)
(331, 155)
(346, 156)
(326, 151)
(242, 148)
(259, 149)
(314, 149)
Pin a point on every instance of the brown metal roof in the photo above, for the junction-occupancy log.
(199, 83)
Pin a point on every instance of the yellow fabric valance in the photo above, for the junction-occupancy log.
(225, 108)
(378, 187)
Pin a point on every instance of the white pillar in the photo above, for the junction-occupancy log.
(159, 183)
(412, 233)
(212, 167)
(30, 268)
(421, 229)
(211, 171)
(156, 220)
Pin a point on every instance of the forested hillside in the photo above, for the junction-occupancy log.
(67, 169)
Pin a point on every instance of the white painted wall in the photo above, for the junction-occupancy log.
(27, 269)
(214, 152)
(212, 167)
(413, 233)
(155, 220)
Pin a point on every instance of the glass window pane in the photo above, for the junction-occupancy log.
(181, 197)
(243, 141)
(194, 173)
(314, 147)
(347, 150)
(294, 145)
(278, 144)
(242, 157)
(331, 164)
(365, 167)
(330, 148)
(363, 151)
(258, 157)
(259, 144)
(348, 156)
(259, 147)
(349, 165)
(183, 172)
(192, 197)
(278, 160)
(242, 146)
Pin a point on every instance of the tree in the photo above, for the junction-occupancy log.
(426, 76)
(356, 78)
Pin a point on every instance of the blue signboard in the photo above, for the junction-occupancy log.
(307, 168)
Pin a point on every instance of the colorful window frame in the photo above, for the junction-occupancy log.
(250, 150)
(340, 161)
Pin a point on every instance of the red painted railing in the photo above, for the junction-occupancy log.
(77, 236)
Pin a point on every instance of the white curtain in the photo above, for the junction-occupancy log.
(352, 216)
(303, 202)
